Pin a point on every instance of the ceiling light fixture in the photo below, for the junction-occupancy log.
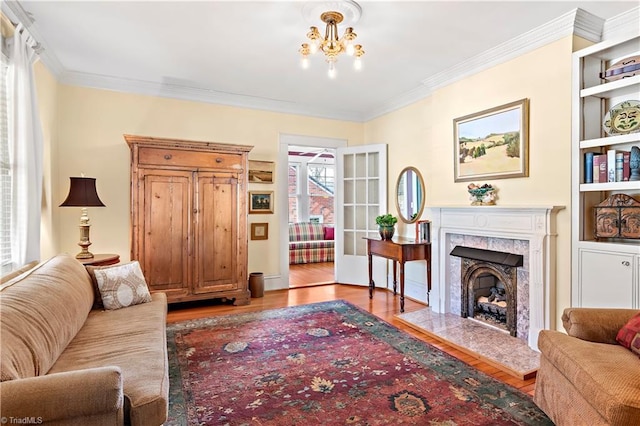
(332, 45)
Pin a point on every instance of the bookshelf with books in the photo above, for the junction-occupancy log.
(605, 271)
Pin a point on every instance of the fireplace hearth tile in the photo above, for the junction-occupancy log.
(495, 347)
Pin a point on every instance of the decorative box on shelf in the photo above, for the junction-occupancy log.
(618, 216)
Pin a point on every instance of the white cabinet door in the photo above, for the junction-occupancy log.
(606, 279)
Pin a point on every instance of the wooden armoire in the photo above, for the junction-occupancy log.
(189, 217)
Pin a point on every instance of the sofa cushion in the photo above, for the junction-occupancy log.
(305, 231)
(600, 372)
(134, 340)
(329, 233)
(122, 285)
(36, 323)
(629, 335)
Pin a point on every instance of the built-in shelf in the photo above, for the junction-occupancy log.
(614, 263)
(610, 140)
(610, 186)
(625, 86)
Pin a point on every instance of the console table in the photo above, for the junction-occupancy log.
(400, 250)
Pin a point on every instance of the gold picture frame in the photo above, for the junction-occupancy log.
(260, 231)
(492, 144)
(261, 171)
(260, 202)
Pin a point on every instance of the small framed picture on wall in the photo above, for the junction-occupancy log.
(260, 202)
(259, 231)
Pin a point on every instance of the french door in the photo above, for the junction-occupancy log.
(361, 196)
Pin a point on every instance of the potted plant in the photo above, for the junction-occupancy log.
(386, 225)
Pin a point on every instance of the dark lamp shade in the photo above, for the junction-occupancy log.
(82, 193)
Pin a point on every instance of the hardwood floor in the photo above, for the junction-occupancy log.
(310, 274)
(383, 305)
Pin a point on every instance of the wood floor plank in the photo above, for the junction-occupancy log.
(383, 305)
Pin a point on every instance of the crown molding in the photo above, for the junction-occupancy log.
(182, 92)
(552, 31)
(576, 22)
(624, 25)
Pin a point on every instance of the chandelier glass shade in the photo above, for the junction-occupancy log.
(332, 45)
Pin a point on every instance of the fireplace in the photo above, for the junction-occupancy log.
(489, 286)
(529, 231)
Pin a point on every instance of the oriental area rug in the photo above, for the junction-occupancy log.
(328, 363)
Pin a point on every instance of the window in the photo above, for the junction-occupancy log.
(311, 185)
(293, 192)
(5, 171)
(320, 188)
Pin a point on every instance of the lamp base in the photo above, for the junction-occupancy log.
(84, 255)
(84, 242)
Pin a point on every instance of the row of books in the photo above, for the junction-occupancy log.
(614, 166)
(423, 231)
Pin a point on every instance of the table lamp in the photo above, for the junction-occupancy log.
(82, 193)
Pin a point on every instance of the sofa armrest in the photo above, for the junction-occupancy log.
(600, 325)
(95, 395)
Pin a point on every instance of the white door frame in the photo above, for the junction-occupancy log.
(282, 200)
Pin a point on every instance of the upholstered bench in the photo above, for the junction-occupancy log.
(310, 243)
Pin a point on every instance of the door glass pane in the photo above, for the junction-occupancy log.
(349, 192)
(349, 171)
(361, 244)
(373, 213)
(361, 191)
(361, 217)
(374, 191)
(374, 171)
(349, 215)
(349, 247)
(361, 165)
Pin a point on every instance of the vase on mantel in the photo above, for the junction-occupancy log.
(386, 231)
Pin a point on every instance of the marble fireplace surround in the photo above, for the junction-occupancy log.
(533, 224)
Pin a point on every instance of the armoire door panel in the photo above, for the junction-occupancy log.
(166, 229)
(216, 239)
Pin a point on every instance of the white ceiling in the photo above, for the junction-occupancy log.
(246, 53)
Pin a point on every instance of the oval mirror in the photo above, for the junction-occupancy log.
(410, 194)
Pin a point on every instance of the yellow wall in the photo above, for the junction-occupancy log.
(47, 93)
(90, 129)
(84, 129)
(421, 135)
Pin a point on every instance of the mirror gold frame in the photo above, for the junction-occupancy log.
(407, 211)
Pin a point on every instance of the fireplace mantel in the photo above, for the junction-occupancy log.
(535, 224)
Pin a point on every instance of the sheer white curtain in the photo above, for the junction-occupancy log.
(25, 149)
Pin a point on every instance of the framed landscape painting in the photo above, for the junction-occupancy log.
(492, 144)
(260, 202)
(261, 171)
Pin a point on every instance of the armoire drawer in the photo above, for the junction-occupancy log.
(178, 157)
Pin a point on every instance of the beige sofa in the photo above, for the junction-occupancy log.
(586, 377)
(63, 363)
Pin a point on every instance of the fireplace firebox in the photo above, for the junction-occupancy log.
(489, 283)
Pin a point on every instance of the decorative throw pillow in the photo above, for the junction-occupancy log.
(328, 233)
(629, 334)
(122, 285)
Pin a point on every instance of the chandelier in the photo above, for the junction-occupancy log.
(331, 45)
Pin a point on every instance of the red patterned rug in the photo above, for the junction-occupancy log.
(327, 363)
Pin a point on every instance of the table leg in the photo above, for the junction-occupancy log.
(428, 281)
(371, 284)
(401, 286)
(395, 280)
